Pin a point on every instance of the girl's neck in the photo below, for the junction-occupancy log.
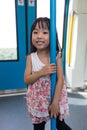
(43, 52)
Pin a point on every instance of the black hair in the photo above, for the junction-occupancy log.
(43, 22)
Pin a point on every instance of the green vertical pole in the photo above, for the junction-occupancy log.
(66, 10)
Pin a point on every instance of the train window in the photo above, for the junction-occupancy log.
(43, 10)
(8, 43)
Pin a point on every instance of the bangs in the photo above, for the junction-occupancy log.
(42, 25)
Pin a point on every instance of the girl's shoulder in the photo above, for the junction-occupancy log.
(29, 56)
(28, 59)
(32, 57)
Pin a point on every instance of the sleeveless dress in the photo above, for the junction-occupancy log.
(38, 95)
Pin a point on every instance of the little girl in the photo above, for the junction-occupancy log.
(37, 77)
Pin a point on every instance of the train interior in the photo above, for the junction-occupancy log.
(16, 18)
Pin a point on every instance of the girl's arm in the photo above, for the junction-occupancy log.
(53, 108)
(60, 81)
(30, 78)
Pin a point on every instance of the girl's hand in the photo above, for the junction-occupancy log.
(53, 110)
(48, 69)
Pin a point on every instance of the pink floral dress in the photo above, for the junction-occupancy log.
(38, 95)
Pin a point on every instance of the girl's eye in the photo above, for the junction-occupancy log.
(45, 32)
(35, 32)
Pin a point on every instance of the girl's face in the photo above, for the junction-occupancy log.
(40, 37)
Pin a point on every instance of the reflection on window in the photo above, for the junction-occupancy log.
(8, 45)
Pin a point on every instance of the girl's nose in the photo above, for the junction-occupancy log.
(40, 35)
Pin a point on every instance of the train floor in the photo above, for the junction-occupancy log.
(14, 115)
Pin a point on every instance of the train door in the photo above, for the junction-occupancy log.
(13, 43)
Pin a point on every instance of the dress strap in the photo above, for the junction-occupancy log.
(36, 63)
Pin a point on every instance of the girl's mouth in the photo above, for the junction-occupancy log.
(40, 42)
